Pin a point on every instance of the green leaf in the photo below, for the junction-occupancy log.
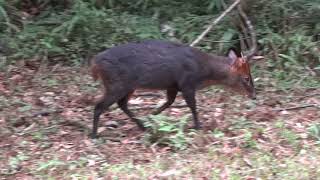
(166, 128)
(25, 108)
(49, 164)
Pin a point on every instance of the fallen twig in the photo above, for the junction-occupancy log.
(46, 113)
(40, 113)
(154, 107)
(296, 107)
(77, 124)
(308, 95)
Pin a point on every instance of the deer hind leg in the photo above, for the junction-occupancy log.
(123, 105)
(171, 96)
(110, 98)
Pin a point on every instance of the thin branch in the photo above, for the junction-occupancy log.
(308, 95)
(248, 40)
(205, 32)
(42, 113)
(242, 43)
(229, 41)
(155, 107)
(254, 47)
(297, 107)
(244, 35)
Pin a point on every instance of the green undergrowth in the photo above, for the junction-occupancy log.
(252, 139)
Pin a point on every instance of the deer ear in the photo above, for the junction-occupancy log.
(232, 55)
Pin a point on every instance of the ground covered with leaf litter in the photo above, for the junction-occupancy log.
(46, 116)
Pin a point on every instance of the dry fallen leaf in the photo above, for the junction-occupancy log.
(224, 175)
(2, 87)
(136, 101)
(101, 129)
(16, 78)
(91, 162)
(284, 112)
(168, 173)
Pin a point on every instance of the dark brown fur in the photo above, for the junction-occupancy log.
(164, 65)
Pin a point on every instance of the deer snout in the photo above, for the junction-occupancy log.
(253, 95)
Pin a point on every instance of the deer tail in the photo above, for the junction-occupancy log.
(95, 70)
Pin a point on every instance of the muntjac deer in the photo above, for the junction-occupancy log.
(156, 64)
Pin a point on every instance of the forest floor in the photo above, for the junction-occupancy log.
(46, 116)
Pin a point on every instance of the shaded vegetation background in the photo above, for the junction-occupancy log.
(46, 93)
(71, 31)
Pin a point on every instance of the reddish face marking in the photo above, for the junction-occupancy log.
(241, 68)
